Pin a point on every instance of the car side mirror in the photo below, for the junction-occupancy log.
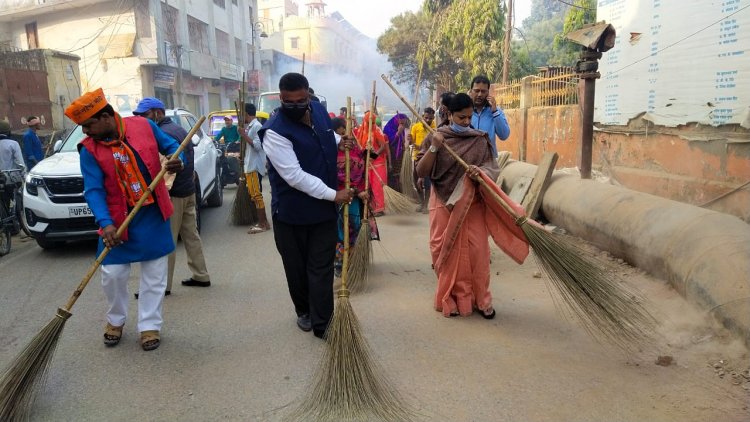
(58, 145)
(196, 140)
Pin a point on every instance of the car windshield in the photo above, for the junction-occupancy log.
(269, 102)
(72, 140)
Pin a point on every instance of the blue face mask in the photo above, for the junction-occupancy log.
(458, 128)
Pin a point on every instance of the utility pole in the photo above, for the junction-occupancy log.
(178, 50)
(506, 46)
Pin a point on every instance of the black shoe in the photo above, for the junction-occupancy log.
(195, 283)
(166, 293)
(491, 315)
(304, 323)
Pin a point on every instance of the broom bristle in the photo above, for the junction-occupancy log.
(360, 259)
(349, 385)
(25, 375)
(407, 177)
(243, 209)
(396, 202)
(593, 292)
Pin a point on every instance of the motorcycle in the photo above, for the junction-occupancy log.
(231, 168)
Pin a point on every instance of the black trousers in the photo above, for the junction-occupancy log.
(307, 252)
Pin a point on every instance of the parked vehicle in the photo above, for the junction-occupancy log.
(54, 208)
(231, 167)
(11, 182)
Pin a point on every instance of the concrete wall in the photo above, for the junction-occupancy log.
(668, 162)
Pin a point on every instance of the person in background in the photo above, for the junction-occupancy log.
(417, 135)
(460, 247)
(255, 168)
(487, 116)
(11, 157)
(378, 161)
(356, 182)
(443, 114)
(119, 158)
(32, 145)
(229, 133)
(301, 151)
(395, 131)
(183, 222)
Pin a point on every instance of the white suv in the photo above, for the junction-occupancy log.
(54, 208)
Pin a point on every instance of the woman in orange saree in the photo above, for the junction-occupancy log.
(378, 161)
(461, 219)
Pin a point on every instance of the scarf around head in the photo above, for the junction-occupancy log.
(132, 183)
(362, 133)
(395, 140)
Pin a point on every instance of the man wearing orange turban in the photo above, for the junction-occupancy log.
(119, 159)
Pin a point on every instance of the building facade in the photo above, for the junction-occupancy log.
(189, 54)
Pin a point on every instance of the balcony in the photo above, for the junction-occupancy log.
(15, 9)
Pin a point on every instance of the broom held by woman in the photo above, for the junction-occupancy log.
(458, 217)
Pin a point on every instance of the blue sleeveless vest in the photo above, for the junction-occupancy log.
(316, 152)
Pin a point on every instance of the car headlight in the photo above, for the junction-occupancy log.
(33, 183)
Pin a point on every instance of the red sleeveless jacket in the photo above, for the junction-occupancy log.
(141, 139)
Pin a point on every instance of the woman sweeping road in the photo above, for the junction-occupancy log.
(458, 217)
(378, 163)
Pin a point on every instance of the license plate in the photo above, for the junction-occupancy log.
(80, 211)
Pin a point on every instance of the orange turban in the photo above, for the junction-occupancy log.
(86, 106)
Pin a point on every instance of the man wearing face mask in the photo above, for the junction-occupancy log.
(487, 116)
(301, 151)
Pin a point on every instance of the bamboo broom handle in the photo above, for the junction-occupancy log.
(347, 185)
(129, 218)
(458, 158)
(367, 151)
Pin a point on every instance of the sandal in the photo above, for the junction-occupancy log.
(257, 229)
(485, 315)
(112, 334)
(150, 340)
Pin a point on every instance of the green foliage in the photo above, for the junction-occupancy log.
(575, 19)
(401, 41)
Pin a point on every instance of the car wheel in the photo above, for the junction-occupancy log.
(49, 244)
(216, 197)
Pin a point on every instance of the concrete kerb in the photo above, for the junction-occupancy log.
(704, 254)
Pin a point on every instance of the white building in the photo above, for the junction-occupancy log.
(191, 54)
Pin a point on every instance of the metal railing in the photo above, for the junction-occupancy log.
(551, 87)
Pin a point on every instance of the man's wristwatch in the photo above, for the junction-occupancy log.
(432, 149)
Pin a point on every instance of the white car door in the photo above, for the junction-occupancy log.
(205, 165)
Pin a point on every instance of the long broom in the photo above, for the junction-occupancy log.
(395, 201)
(349, 385)
(407, 174)
(361, 256)
(25, 376)
(589, 286)
(243, 209)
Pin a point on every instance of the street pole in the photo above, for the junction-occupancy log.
(178, 56)
(506, 47)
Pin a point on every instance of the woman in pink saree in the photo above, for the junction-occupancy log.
(378, 161)
(461, 217)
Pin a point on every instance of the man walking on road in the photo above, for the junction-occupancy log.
(255, 168)
(487, 116)
(119, 159)
(182, 193)
(11, 157)
(32, 145)
(301, 149)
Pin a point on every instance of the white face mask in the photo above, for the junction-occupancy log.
(458, 128)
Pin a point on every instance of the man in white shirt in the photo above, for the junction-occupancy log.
(255, 168)
(301, 151)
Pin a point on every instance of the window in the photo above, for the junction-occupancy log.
(169, 18)
(32, 38)
(198, 35)
(294, 42)
(222, 45)
(220, 3)
(238, 51)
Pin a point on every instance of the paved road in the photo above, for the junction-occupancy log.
(233, 352)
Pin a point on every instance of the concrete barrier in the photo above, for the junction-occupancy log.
(704, 254)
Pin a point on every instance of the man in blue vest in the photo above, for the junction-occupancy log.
(487, 115)
(301, 150)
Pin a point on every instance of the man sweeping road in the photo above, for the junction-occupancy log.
(119, 158)
(301, 149)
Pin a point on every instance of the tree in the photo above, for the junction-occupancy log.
(576, 18)
(401, 41)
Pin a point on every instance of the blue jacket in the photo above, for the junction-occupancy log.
(32, 149)
(316, 152)
(494, 124)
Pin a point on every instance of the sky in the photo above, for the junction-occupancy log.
(373, 18)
